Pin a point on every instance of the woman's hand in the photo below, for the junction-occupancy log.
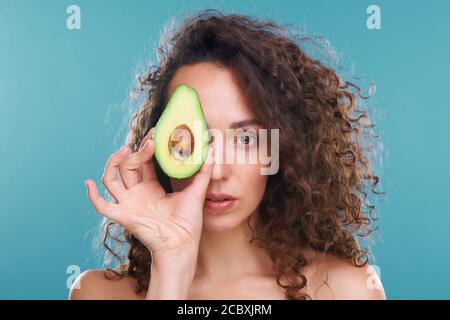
(166, 223)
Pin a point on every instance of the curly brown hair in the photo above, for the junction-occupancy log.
(319, 197)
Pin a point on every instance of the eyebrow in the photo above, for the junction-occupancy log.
(243, 123)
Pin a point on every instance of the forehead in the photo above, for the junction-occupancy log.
(221, 99)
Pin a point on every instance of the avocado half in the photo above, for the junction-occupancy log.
(181, 135)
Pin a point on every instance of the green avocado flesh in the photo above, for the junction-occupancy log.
(181, 135)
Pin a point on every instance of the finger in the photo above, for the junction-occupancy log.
(149, 135)
(110, 180)
(147, 171)
(130, 168)
(103, 207)
(151, 132)
(201, 179)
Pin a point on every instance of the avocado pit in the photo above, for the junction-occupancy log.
(181, 142)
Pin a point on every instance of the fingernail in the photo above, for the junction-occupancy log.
(86, 184)
(146, 144)
(152, 133)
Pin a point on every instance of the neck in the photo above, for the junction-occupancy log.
(227, 254)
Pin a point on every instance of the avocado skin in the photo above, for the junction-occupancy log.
(172, 117)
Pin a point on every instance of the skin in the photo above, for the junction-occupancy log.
(218, 259)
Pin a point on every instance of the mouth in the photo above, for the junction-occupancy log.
(219, 202)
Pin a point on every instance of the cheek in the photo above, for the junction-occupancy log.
(251, 182)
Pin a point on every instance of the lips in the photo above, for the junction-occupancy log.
(219, 202)
(218, 197)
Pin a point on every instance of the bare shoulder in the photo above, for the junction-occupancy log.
(330, 277)
(103, 285)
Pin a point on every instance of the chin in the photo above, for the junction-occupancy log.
(220, 222)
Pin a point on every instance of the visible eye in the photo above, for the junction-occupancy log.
(246, 139)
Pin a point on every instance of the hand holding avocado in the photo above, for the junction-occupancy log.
(166, 223)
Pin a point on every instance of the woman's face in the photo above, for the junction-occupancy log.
(224, 108)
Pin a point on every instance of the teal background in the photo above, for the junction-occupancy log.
(64, 99)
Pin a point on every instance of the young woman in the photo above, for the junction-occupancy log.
(293, 234)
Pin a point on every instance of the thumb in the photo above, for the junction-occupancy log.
(201, 179)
